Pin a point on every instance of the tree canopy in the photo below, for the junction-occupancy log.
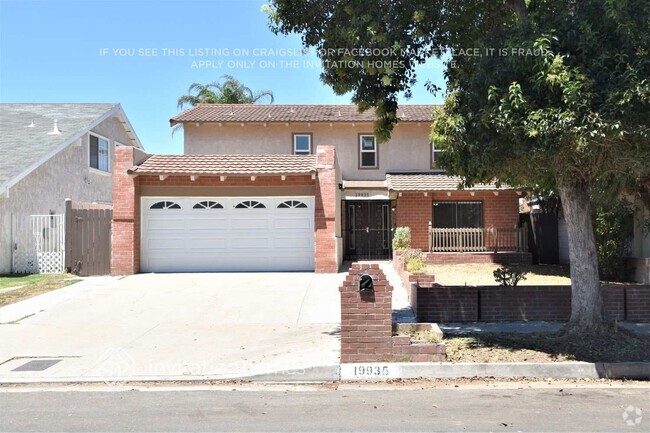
(552, 94)
(230, 91)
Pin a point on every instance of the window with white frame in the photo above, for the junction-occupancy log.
(98, 149)
(301, 144)
(367, 151)
(435, 155)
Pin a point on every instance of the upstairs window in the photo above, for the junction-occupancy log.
(367, 151)
(301, 144)
(435, 154)
(98, 149)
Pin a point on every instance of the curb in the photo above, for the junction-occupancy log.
(378, 371)
(442, 370)
(325, 373)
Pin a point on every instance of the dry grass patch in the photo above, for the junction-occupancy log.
(614, 346)
(14, 288)
(480, 274)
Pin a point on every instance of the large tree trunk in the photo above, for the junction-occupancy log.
(586, 302)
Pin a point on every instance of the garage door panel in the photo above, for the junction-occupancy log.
(160, 223)
(298, 224)
(219, 224)
(228, 239)
(208, 244)
(246, 222)
(293, 243)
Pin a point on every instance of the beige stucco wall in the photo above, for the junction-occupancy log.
(65, 175)
(408, 150)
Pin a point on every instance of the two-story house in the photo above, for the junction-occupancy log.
(49, 153)
(291, 187)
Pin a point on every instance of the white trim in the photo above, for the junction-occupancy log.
(295, 151)
(362, 151)
(126, 120)
(108, 150)
(99, 172)
(116, 110)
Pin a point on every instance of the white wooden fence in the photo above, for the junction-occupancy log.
(470, 239)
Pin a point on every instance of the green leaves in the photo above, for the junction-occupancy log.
(231, 91)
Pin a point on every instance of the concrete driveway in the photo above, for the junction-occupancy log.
(175, 325)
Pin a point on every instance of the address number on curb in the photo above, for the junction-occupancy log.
(376, 371)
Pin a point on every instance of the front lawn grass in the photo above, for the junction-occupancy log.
(30, 285)
(480, 274)
(616, 346)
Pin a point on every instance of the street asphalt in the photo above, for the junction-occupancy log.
(489, 407)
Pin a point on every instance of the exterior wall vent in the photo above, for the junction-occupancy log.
(55, 129)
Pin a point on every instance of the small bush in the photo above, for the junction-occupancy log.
(613, 229)
(507, 276)
(415, 265)
(402, 238)
(412, 253)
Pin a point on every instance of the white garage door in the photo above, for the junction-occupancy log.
(227, 234)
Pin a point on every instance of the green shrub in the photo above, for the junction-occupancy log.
(412, 253)
(507, 276)
(613, 228)
(402, 238)
(415, 265)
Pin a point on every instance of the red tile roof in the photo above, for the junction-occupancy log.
(258, 113)
(433, 182)
(226, 165)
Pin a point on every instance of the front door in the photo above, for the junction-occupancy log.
(368, 233)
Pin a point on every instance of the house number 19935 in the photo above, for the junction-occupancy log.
(371, 370)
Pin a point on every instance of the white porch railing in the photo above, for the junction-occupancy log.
(481, 239)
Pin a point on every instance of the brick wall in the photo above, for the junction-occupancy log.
(325, 212)
(366, 324)
(415, 210)
(506, 258)
(447, 304)
(125, 236)
(552, 303)
(366, 319)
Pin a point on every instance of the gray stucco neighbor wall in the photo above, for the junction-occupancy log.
(66, 175)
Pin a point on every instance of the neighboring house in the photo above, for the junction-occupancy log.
(640, 255)
(638, 260)
(51, 152)
(294, 187)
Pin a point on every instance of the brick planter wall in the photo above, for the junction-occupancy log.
(551, 303)
(366, 323)
(506, 258)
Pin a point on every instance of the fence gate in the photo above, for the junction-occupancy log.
(38, 244)
(88, 238)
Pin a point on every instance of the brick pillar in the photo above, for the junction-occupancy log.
(366, 319)
(325, 212)
(125, 238)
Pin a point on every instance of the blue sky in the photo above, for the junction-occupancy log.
(64, 51)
